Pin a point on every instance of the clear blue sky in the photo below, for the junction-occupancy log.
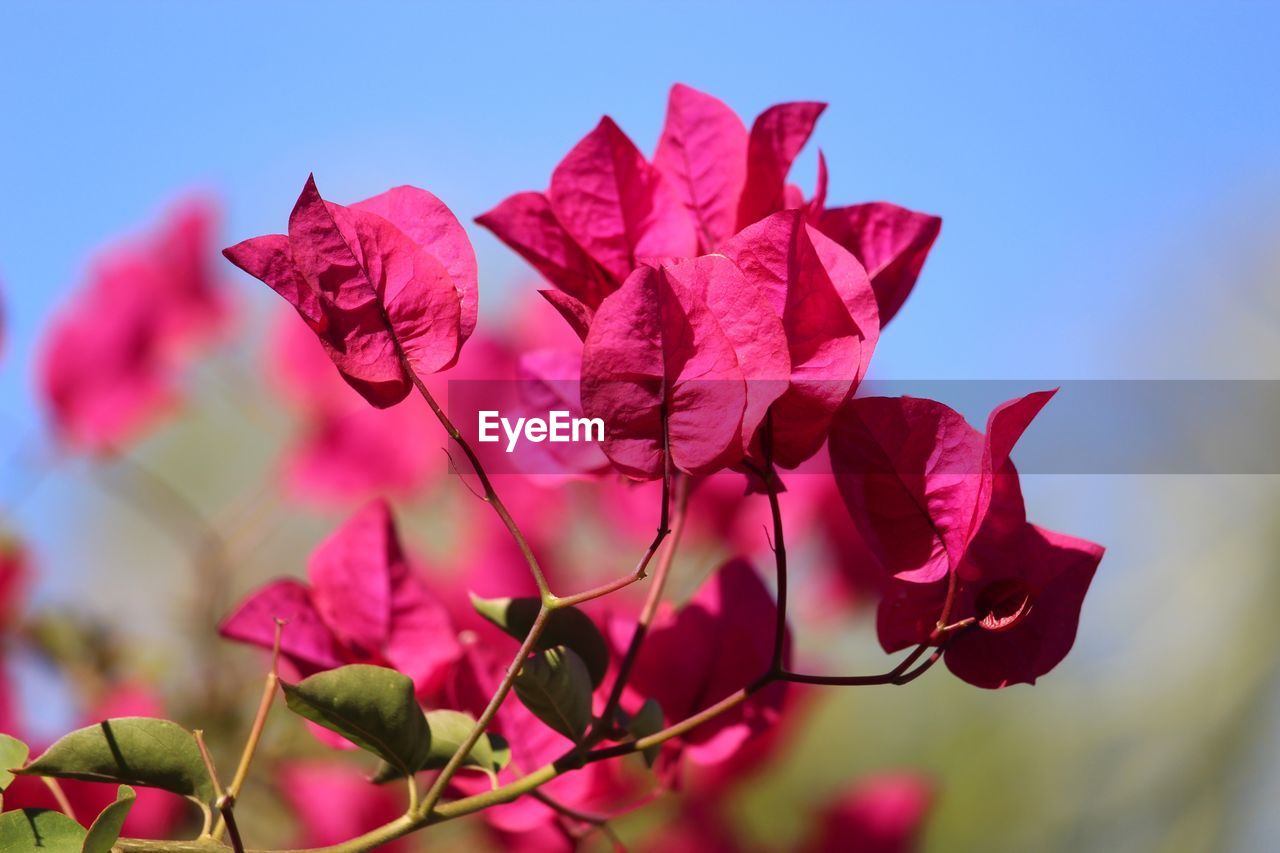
(1067, 146)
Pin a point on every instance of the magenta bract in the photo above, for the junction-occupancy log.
(1024, 590)
(918, 480)
(656, 356)
(890, 241)
(363, 604)
(829, 318)
(383, 296)
(719, 642)
(703, 154)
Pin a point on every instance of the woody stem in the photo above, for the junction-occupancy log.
(769, 476)
(255, 736)
(650, 608)
(490, 494)
(947, 604)
(441, 812)
(664, 529)
(900, 674)
(486, 717)
(59, 796)
(594, 821)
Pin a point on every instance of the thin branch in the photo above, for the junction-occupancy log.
(900, 674)
(922, 668)
(255, 734)
(686, 725)
(596, 821)
(413, 792)
(60, 796)
(226, 808)
(650, 608)
(440, 812)
(431, 810)
(490, 494)
(779, 546)
(486, 717)
(953, 584)
(669, 475)
(218, 792)
(454, 465)
(224, 801)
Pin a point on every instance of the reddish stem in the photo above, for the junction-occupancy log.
(650, 608)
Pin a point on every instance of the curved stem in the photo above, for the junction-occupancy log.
(650, 608)
(947, 604)
(255, 735)
(664, 529)
(568, 811)
(770, 477)
(59, 796)
(859, 680)
(486, 717)
(490, 494)
(442, 812)
(593, 821)
(208, 763)
(900, 674)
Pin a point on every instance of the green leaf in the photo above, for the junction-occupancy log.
(12, 753)
(139, 751)
(106, 828)
(647, 721)
(555, 686)
(448, 730)
(567, 626)
(371, 706)
(44, 830)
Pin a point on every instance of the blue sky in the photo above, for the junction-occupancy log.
(1067, 146)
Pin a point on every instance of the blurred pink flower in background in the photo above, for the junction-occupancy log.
(345, 450)
(880, 814)
(111, 359)
(334, 804)
(365, 603)
(716, 644)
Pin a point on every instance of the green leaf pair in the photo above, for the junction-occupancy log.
(141, 751)
(53, 832)
(448, 730)
(375, 708)
(566, 626)
(570, 661)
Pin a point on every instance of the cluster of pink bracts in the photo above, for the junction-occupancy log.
(720, 324)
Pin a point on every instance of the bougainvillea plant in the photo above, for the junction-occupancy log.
(719, 324)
